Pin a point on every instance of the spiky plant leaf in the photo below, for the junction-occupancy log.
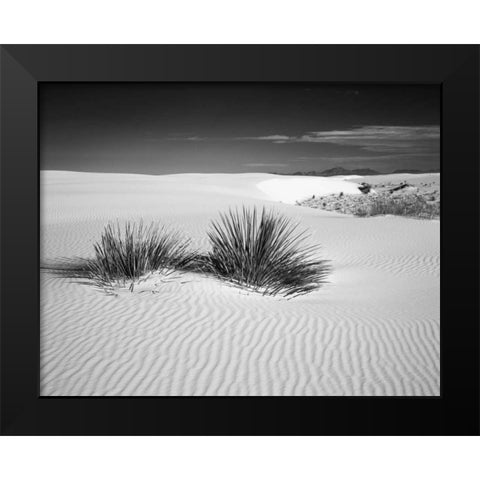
(265, 252)
(126, 253)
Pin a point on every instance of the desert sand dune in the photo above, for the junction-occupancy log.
(372, 330)
(292, 189)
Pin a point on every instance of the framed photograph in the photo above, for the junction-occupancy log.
(232, 240)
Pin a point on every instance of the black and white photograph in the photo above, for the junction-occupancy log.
(239, 239)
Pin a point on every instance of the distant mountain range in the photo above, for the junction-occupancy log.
(412, 170)
(344, 171)
(363, 172)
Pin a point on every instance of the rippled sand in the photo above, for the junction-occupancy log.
(373, 330)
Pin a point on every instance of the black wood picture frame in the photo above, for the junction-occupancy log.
(455, 412)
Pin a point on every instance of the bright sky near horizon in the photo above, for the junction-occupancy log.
(163, 128)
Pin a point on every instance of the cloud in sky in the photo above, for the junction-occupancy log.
(369, 137)
(271, 138)
(192, 139)
(381, 138)
(375, 132)
(265, 164)
(372, 137)
(370, 145)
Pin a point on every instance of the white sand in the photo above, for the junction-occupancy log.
(373, 330)
(290, 189)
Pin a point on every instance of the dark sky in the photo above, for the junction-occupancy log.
(160, 128)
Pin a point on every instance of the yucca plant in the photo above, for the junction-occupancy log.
(124, 254)
(264, 252)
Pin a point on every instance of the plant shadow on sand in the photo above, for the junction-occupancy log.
(262, 252)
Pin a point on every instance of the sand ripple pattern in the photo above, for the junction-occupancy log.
(373, 330)
(202, 338)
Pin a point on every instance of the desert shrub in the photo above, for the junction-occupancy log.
(126, 254)
(264, 252)
(406, 205)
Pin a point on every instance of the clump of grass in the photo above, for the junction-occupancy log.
(124, 255)
(406, 205)
(263, 252)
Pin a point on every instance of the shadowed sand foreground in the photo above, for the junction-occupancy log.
(373, 330)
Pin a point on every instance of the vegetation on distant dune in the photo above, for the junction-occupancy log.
(407, 206)
(263, 252)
